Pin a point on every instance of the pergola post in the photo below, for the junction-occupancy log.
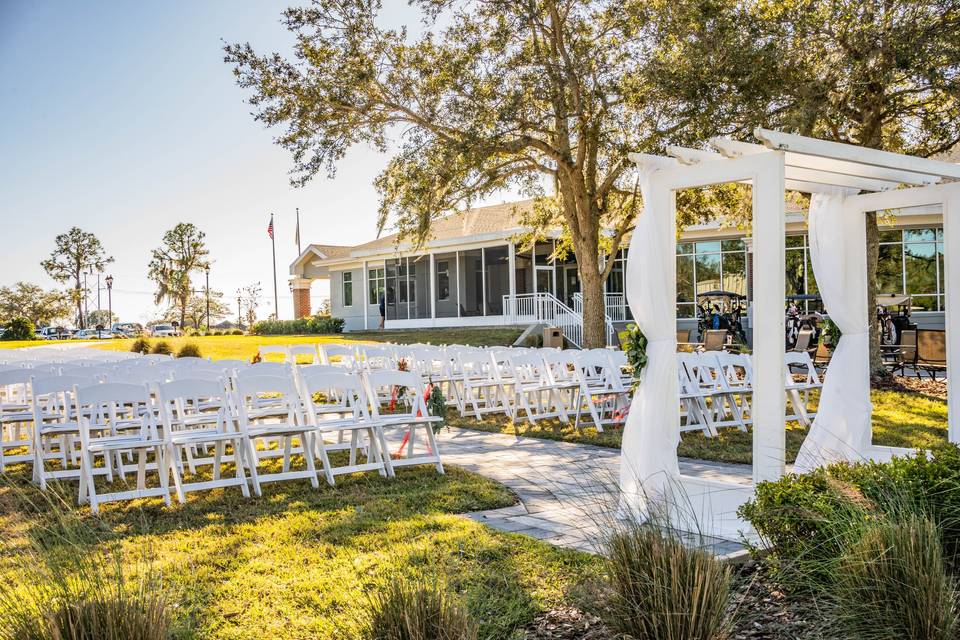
(951, 291)
(769, 399)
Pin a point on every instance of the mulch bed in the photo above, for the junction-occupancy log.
(761, 610)
(926, 386)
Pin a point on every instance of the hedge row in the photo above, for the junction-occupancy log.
(316, 324)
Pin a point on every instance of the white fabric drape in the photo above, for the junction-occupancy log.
(651, 435)
(841, 429)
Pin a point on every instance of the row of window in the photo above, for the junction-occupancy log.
(473, 282)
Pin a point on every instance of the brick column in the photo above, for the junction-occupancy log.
(300, 288)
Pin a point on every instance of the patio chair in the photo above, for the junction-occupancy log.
(906, 353)
(338, 354)
(804, 338)
(715, 340)
(100, 408)
(931, 352)
(335, 403)
(408, 414)
(683, 336)
(194, 413)
(821, 358)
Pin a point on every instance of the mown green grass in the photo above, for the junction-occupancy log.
(900, 419)
(16, 344)
(301, 563)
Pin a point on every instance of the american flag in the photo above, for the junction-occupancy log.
(270, 228)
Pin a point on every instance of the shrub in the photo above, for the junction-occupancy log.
(662, 590)
(162, 347)
(19, 329)
(236, 332)
(892, 583)
(416, 610)
(808, 518)
(140, 345)
(189, 350)
(315, 324)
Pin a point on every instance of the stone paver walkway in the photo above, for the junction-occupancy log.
(567, 491)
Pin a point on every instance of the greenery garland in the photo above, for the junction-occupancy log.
(635, 346)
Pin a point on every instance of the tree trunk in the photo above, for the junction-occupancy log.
(78, 294)
(594, 308)
(873, 255)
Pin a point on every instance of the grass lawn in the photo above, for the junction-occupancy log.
(300, 563)
(245, 347)
(900, 419)
(16, 344)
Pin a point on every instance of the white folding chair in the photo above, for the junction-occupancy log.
(408, 414)
(266, 349)
(798, 391)
(268, 409)
(56, 428)
(16, 416)
(532, 390)
(296, 352)
(99, 409)
(196, 412)
(481, 390)
(335, 403)
(602, 393)
(341, 355)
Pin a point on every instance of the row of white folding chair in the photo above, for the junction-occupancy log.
(281, 417)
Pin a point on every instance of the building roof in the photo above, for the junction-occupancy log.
(497, 218)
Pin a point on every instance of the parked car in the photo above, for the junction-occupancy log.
(164, 331)
(54, 333)
(85, 334)
(128, 329)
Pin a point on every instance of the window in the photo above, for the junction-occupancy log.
(443, 280)
(377, 284)
(911, 263)
(347, 288)
(709, 266)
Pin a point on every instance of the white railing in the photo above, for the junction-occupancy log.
(544, 307)
(615, 310)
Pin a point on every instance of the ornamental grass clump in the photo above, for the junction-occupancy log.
(162, 347)
(189, 350)
(892, 583)
(661, 589)
(65, 591)
(140, 345)
(418, 610)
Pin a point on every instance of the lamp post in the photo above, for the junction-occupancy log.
(239, 317)
(206, 270)
(110, 298)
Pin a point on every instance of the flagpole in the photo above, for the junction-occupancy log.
(298, 231)
(273, 246)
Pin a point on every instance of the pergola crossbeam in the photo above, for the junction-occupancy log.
(780, 141)
(893, 177)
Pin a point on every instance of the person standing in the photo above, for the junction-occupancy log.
(383, 310)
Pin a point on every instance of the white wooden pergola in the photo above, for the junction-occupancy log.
(845, 182)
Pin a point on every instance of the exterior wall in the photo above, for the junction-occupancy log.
(352, 315)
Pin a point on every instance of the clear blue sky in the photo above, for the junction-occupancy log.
(122, 118)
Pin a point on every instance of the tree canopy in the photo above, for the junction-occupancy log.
(182, 251)
(33, 302)
(76, 252)
(883, 74)
(542, 96)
